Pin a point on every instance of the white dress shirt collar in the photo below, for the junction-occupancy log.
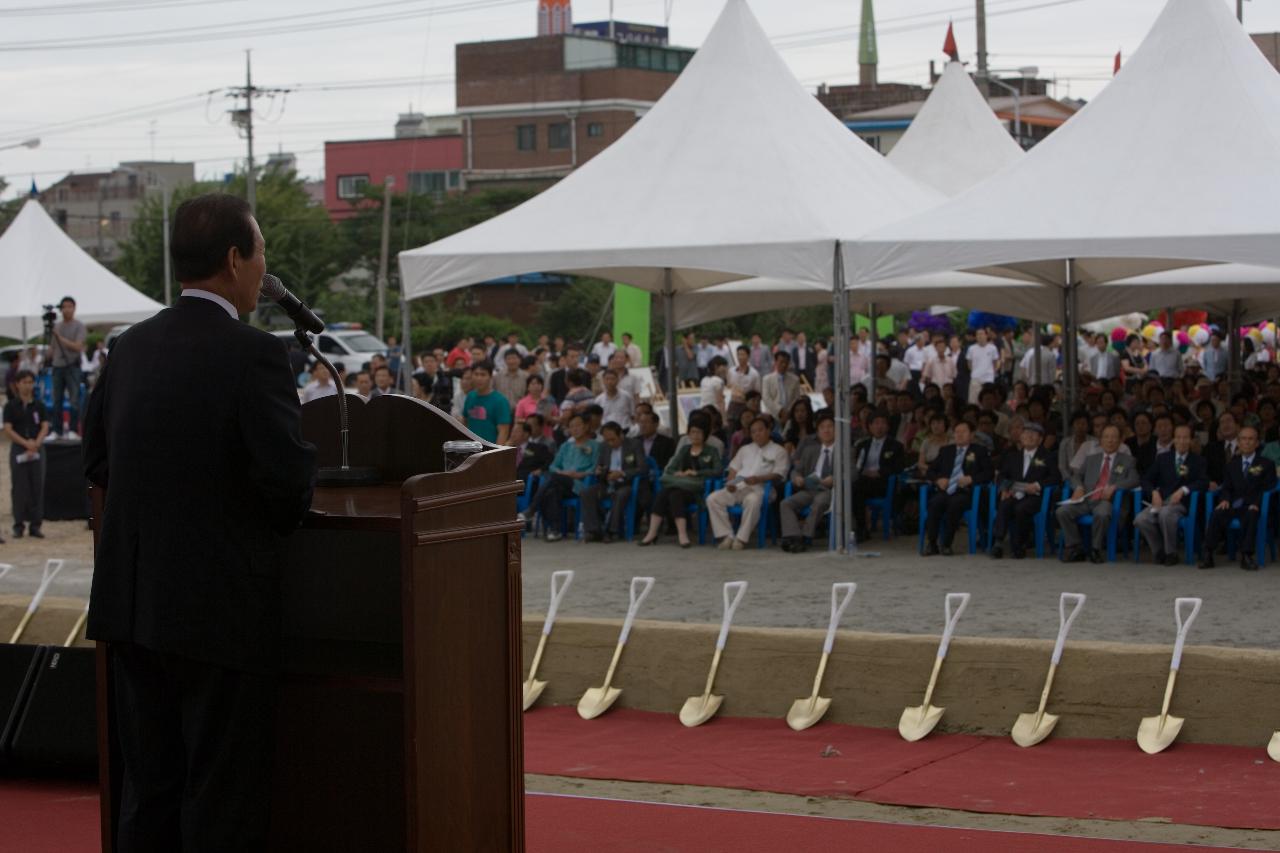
(212, 297)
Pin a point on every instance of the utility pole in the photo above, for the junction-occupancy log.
(168, 272)
(387, 184)
(980, 20)
(243, 119)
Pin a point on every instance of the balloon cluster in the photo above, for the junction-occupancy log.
(1152, 331)
(1264, 333)
(1118, 337)
(1183, 340)
(1199, 335)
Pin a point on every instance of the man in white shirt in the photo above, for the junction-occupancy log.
(604, 348)
(1105, 362)
(321, 385)
(1166, 361)
(757, 463)
(916, 355)
(635, 358)
(1048, 365)
(983, 358)
(712, 385)
(1213, 358)
(618, 405)
(742, 378)
(627, 381)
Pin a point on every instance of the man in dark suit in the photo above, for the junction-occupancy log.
(618, 462)
(1248, 476)
(957, 470)
(876, 458)
(1169, 483)
(658, 447)
(1220, 451)
(558, 384)
(804, 360)
(1025, 472)
(203, 481)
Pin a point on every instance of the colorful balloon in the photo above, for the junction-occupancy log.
(1269, 333)
(1152, 331)
(1184, 341)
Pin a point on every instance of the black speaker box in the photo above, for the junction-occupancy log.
(18, 668)
(57, 730)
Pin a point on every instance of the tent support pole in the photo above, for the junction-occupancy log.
(669, 345)
(840, 493)
(1235, 348)
(405, 379)
(1035, 361)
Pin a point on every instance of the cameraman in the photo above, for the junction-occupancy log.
(65, 346)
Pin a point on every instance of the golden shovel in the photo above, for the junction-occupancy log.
(51, 569)
(806, 712)
(698, 709)
(597, 700)
(1273, 748)
(559, 586)
(1030, 729)
(1156, 733)
(915, 723)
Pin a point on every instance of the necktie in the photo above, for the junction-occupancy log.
(1026, 463)
(1105, 476)
(824, 467)
(956, 471)
(782, 391)
(1177, 463)
(1244, 465)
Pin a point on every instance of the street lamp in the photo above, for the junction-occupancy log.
(26, 143)
(1025, 71)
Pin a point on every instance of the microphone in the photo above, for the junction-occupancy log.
(274, 289)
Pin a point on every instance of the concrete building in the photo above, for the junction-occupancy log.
(537, 108)
(97, 209)
(418, 163)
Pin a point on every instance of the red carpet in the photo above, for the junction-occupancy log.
(1188, 784)
(575, 823)
(48, 816)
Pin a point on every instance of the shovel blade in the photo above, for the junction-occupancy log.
(916, 723)
(807, 711)
(698, 709)
(1030, 729)
(532, 690)
(1156, 733)
(596, 701)
(1273, 748)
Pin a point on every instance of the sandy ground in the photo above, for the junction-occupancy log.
(901, 592)
(852, 810)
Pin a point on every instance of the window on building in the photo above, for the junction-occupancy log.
(559, 135)
(350, 186)
(60, 216)
(873, 141)
(455, 180)
(526, 137)
(427, 182)
(595, 129)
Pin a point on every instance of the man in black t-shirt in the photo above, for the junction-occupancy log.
(26, 424)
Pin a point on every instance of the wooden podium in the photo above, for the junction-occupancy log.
(399, 722)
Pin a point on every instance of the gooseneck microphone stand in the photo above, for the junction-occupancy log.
(344, 475)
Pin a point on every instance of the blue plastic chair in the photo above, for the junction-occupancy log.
(764, 527)
(970, 516)
(1041, 518)
(629, 511)
(881, 509)
(1188, 526)
(1264, 541)
(1113, 530)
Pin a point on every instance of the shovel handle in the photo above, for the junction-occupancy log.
(737, 588)
(51, 569)
(1077, 600)
(559, 586)
(1184, 626)
(960, 600)
(5, 568)
(637, 598)
(838, 606)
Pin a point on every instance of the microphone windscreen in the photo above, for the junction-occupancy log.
(272, 288)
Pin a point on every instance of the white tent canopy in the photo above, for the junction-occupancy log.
(955, 141)
(1172, 164)
(736, 172)
(40, 264)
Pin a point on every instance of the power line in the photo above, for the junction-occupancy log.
(102, 6)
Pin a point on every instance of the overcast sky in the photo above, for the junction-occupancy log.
(95, 106)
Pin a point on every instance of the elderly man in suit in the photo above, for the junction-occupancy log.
(778, 390)
(1170, 482)
(755, 464)
(811, 480)
(1105, 472)
(876, 458)
(957, 470)
(618, 462)
(1247, 477)
(1025, 472)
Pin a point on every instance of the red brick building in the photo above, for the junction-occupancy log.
(423, 164)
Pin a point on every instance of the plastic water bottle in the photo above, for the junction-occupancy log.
(581, 532)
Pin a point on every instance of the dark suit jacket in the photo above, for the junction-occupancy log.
(977, 463)
(1216, 456)
(558, 384)
(662, 449)
(892, 456)
(810, 364)
(633, 461)
(1043, 470)
(1162, 476)
(1247, 486)
(194, 430)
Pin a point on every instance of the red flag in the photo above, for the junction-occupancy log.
(949, 46)
(1117, 69)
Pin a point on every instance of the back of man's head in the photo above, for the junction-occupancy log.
(205, 229)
